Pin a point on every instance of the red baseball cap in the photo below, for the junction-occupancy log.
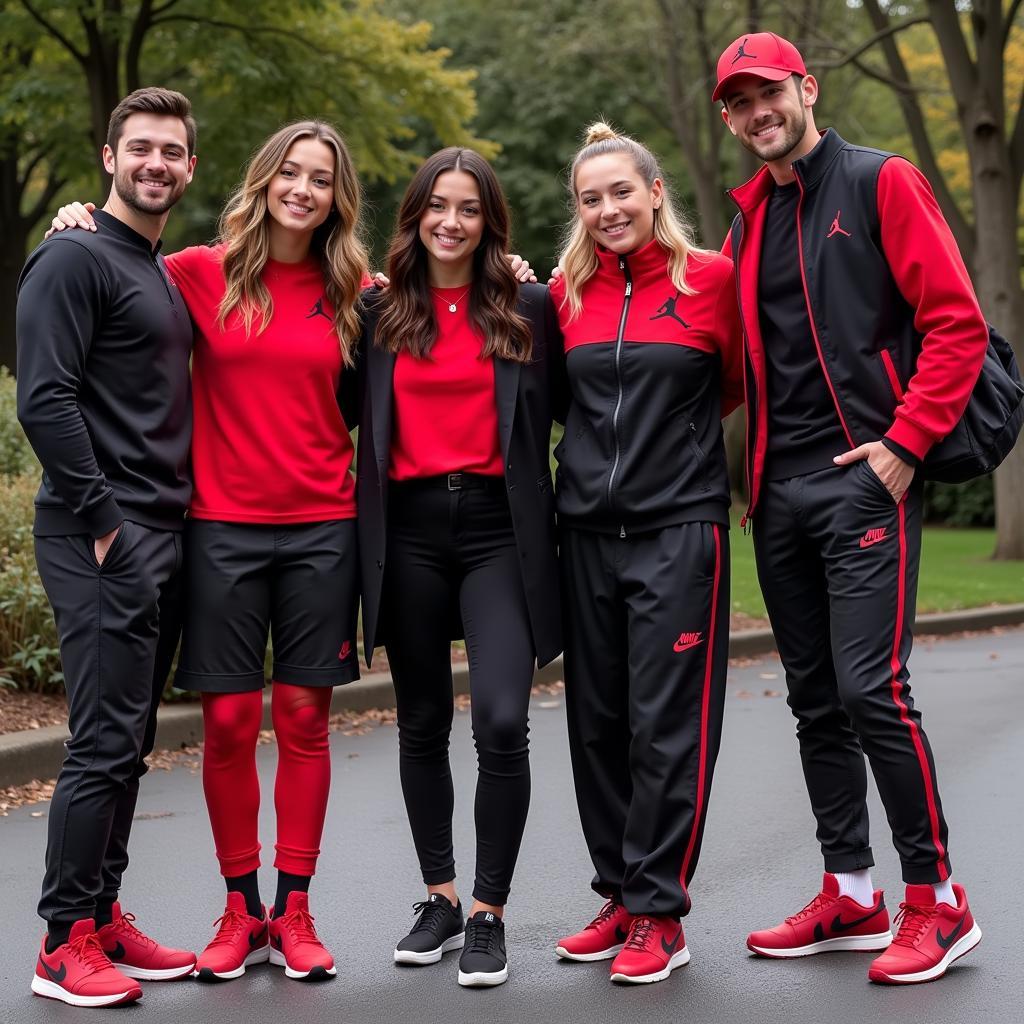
(763, 54)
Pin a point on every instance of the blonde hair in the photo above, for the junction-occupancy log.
(337, 245)
(578, 258)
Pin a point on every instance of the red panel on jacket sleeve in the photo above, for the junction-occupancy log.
(931, 276)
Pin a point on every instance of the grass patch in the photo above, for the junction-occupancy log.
(957, 571)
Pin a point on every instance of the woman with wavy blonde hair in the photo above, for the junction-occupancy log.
(653, 359)
(270, 544)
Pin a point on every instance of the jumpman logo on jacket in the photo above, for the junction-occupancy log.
(318, 310)
(741, 52)
(668, 308)
(836, 229)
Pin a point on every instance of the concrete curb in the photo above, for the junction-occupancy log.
(38, 753)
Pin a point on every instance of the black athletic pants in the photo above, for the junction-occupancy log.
(453, 553)
(646, 653)
(838, 562)
(118, 625)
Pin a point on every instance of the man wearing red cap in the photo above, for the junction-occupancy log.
(863, 342)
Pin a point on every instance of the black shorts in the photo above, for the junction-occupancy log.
(298, 582)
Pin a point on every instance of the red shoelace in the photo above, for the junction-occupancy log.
(300, 924)
(231, 921)
(819, 901)
(912, 920)
(609, 910)
(90, 953)
(641, 932)
(126, 922)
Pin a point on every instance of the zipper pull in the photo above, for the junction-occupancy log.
(622, 263)
(629, 289)
(622, 533)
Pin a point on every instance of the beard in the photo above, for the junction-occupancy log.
(132, 194)
(783, 143)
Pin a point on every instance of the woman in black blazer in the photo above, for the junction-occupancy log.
(457, 529)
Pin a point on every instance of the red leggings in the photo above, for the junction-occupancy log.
(232, 788)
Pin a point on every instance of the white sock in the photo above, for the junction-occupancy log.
(857, 885)
(944, 892)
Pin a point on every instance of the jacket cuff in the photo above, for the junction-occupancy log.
(103, 518)
(908, 436)
(903, 453)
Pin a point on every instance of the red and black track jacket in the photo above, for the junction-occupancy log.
(898, 330)
(650, 374)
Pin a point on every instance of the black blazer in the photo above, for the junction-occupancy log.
(524, 397)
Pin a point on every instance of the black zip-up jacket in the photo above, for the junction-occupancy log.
(650, 372)
(104, 340)
(897, 327)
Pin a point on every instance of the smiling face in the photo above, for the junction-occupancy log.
(452, 226)
(773, 120)
(301, 193)
(615, 204)
(151, 168)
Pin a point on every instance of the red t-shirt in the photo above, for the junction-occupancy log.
(269, 443)
(446, 412)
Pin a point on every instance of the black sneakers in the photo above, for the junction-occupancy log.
(483, 960)
(439, 929)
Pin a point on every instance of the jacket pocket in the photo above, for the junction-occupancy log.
(890, 372)
(544, 483)
(702, 462)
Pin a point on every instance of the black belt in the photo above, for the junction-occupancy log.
(454, 482)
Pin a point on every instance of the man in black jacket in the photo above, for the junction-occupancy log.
(863, 341)
(104, 341)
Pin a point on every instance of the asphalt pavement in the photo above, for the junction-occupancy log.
(759, 863)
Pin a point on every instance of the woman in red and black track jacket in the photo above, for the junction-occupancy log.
(457, 531)
(653, 360)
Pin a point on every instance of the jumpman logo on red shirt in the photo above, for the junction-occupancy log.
(836, 229)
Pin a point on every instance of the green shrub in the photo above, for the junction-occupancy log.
(969, 504)
(16, 456)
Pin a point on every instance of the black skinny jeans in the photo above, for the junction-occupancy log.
(453, 553)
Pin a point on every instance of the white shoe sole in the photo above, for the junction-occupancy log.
(679, 958)
(277, 958)
(257, 956)
(483, 979)
(51, 990)
(605, 954)
(143, 974)
(960, 948)
(431, 956)
(849, 943)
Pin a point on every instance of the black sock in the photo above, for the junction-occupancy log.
(57, 933)
(287, 883)
(104, 914)
(249, 887)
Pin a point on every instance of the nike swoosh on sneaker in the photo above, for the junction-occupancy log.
(945, 941)
(620, 933)
(59, 975)
(670, 947)
(257, 938)
(117, 953)
(839, 925)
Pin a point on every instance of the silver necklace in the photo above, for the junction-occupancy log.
(453, 306)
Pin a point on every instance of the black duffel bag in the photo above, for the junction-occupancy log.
(990, 424)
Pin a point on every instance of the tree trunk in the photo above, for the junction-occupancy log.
(13, 244)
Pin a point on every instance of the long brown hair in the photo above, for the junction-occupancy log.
(407, 321)
(578, 258)
(336, 244)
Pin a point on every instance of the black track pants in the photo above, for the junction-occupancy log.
(838, 562)
(453, 553)
(646, 649)
(118, 625)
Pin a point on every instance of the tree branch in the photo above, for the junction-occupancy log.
(52, 30)
(1011, 13)
(45, 200)
(26, 175)
(960, 67)
(140, 27)
(244, 29)
(884, 33)
(1016, 147)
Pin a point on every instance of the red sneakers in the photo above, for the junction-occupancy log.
(930, 937)
(138, 956)
(294, 944)
(654, 949)
(601, 939)
(828, 922)
(78, 972)
(240, 942)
